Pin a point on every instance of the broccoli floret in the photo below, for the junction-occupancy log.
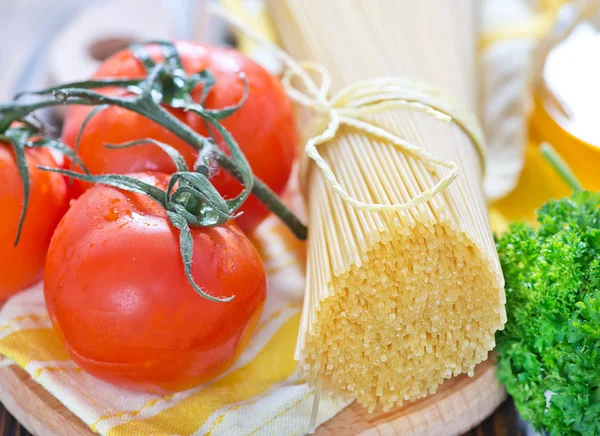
(549, 352)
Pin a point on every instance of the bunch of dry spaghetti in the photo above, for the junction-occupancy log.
(396, 300)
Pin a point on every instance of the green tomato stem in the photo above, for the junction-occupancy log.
(268, 197)
(16, 111)
(560, 166)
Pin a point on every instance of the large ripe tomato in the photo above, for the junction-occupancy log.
(264, 127)
(117, 293)
(22, 266)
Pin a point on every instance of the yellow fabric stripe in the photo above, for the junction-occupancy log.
(40, 344)
(242, 405)
(295, 404)
(150, 403)
(273, 364)
(54, 369)
(31, 317)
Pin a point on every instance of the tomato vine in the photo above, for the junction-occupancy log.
(148, 97)
(190, 199)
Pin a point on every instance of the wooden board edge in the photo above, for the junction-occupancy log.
(459, 405)
(35, 408)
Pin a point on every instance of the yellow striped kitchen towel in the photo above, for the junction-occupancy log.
(260, 395)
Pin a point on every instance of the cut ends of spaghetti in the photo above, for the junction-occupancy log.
(422, 306)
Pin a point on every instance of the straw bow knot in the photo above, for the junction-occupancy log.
(353, 103)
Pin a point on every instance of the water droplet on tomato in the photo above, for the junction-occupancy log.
(115, 200)
(112, 215)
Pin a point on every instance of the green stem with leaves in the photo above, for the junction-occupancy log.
(146, 104)
(190, 199)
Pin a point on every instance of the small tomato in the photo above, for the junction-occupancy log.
(264, 126)
(117, 293)
(22, 265)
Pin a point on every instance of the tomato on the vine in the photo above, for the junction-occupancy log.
(117, 293)
(22, 265)
(264, 126)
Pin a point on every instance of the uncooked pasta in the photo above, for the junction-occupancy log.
(396, 301)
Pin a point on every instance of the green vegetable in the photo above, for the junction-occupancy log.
(549, 351)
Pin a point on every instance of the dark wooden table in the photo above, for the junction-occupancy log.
(9, 426)
(504, 422)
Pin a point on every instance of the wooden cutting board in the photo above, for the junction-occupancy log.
(459, 405)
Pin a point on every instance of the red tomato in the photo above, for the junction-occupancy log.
(264, 127)
(117, 293)
(22, 266)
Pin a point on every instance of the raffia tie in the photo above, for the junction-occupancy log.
(352, 104)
